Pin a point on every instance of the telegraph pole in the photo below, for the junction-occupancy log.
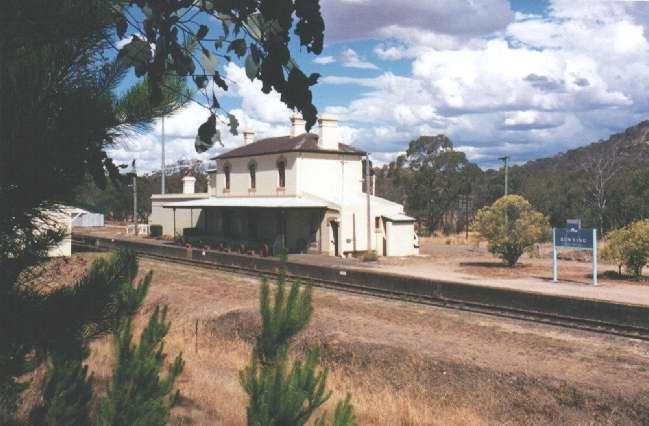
(162, 166)
(466, 216)
(134, 198)
(367, 191)
(505, 159)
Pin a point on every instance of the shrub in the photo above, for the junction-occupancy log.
(155, 230)
(192, 232)
(370, 256)
(511, 226)
(629, 246)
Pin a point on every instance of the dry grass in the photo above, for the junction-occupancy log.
(402, 364)
(376, 401)
(211, 393)
(452, 239)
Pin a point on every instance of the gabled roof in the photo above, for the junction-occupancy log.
(306, 142)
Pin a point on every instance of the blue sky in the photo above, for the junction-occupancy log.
(520, 77)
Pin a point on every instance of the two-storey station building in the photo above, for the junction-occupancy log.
(304, 191)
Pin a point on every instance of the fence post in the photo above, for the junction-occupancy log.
(196, 338)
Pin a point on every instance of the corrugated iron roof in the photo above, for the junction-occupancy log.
(306, 142)
(399, 217)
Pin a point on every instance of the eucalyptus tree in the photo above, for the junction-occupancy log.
(437, 176)
(195, 38)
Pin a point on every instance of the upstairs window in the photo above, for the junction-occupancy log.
(281, 171)
(226, 172)
(252, 168)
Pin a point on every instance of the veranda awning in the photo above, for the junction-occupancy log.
(259, 202)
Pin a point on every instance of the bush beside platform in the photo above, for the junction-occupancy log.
(155, 231)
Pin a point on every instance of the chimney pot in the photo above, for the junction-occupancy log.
(298, 125)
(189, 184)
(248, 136)
(329, 137)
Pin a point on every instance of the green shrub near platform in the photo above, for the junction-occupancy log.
(511, 226)
(370, 256)
(192, 232)
(155, 230)
(629, 246)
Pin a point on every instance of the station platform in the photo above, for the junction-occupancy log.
(626, 292)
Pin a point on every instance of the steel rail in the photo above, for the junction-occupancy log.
(478, 308)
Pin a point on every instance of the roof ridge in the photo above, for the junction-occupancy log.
(305, 142)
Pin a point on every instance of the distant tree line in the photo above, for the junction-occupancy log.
(605, 184)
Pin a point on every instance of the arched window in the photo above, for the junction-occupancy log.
(281, 172)
(226, 172)
(252, 168)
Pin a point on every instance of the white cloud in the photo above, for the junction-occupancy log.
(496, 83)
(362, 19)
(527, 120)
(541, 85)
(126, 40)
(324, 60)
(265, 114)
(268, 108)
(350, 59)
(389, 53)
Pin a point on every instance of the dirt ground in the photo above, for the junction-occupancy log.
(404, 364)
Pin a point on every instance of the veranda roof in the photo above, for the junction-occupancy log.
(259, 202)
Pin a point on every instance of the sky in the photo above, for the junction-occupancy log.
(523, 78)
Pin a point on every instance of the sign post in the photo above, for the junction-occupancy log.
(554, 255)
(594, 256)
(577, 239)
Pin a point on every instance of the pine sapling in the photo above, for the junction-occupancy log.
(67, 394)
(137, 394)
(279, 395)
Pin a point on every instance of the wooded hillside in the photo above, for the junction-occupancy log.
(606, 184)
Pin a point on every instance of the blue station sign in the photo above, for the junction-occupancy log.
(574, 238)
(577, 239)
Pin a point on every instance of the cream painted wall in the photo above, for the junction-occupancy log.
(267, 176)
(185, 218)
(400, 239)
(329, 175)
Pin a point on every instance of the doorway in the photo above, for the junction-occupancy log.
(334, 231)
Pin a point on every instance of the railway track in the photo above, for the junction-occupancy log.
(484, 309)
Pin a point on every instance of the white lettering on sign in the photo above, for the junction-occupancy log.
(573, 240)
(343, 272)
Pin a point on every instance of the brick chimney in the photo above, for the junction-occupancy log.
(248, 136)
(297, 125)
(329, 136)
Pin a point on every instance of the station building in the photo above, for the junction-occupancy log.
(303, 191)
